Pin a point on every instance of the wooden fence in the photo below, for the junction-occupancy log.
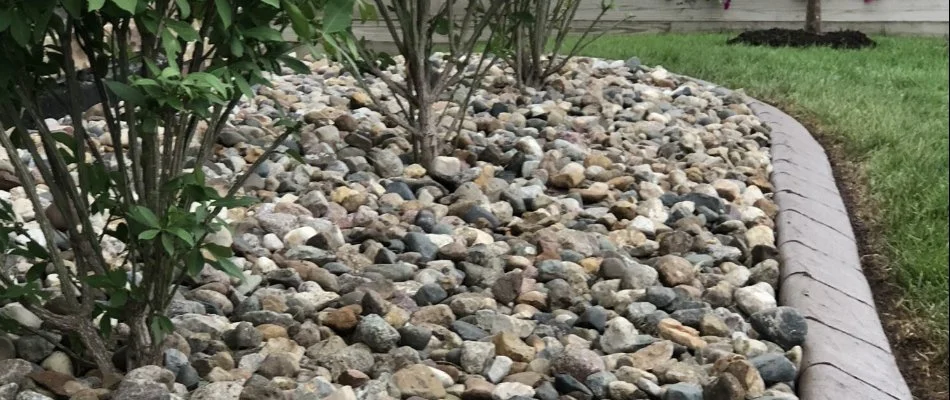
(917, 17)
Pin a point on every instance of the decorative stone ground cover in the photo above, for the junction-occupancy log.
(612, 236)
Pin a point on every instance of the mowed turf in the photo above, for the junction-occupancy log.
(887, 107)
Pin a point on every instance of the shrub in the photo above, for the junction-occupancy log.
(414, 27)
(164, 104)
(533, 36)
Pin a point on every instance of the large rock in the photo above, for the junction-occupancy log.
(377, 333)
(418, 380)
(782, 325)
(577, 362)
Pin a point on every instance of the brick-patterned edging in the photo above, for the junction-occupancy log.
(846, 354)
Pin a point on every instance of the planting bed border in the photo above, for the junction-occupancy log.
(846, 354)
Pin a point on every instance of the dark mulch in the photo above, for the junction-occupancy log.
(799, 38)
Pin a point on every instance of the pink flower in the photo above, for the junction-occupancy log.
(725, 5)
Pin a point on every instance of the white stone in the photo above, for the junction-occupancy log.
(755, 298)
(644, 224)
(619, 337)
(272, 242)
(442, 376)
(299, 236)
(507, 390)
(23, 209)
(20, 314)
(59, 362)
(498, 369)
(265, 265)
(440, 240)
(760, 235)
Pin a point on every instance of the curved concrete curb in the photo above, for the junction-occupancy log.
(846, 354)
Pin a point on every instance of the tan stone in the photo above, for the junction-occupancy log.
(672, 329)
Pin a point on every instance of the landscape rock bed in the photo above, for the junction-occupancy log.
(608, 237)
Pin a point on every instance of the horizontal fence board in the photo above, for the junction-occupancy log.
(926, 17)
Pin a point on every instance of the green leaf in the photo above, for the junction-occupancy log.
(183, 235)
(20, 31)
(294, 64)
(5, 18)
(168, 242)
(229, 268)
(230, 202)
(95, 5)
(127, 5)
(300, 23)
(149, 234)
(73, 7)
(243, 86)
(194, 263)
(263, 33)
(172, 48)
(36, 271)
(127, 93)
(105, 326)
(184, 9)
(237, 48)
(160, 326)
(213, 81)
(224, 12)
(338, 16)
(368, 12)
(117, 299)
(272, 3)
(145, 217)
(184, 30)
(218, 251)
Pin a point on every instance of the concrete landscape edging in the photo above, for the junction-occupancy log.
(846, 354)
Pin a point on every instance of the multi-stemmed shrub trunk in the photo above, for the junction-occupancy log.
(415, 27)
(164, 102)
(534, 36)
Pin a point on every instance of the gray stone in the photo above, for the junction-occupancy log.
(377, 333)
(33, 348)
(599, 383)
(8, 391)
(243, 336)
(774, 367)
(578, 362)
(619, 337)
(476, 355)
(15, 371)
(218, 391)
(683, 391)
(279, 364)
(783, 325)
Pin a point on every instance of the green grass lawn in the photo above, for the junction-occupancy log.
(888, 106)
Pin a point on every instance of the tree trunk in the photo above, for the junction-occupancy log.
(813, 16)
(425, 143)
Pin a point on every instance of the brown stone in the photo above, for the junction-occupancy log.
(510, 345)
(653, 355)
(529, 378)
(743, 370)
(725, 387)
(352, 377)
(52, 380)
(343, 319)
(477, 388)
(270, 331)
(418, 380)
(675, 270)
(439, 314)
(672, 329)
